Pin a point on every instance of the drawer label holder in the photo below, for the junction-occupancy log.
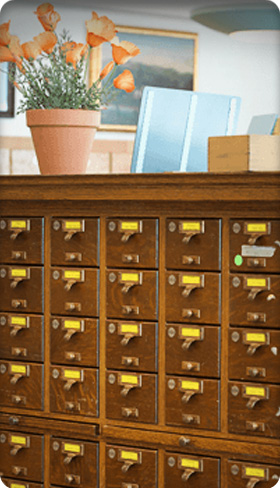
(190, 229)
(17, 226)
(190, 282)
(254, 394)
(254, 340)
(190, 335)
(129, 331)
(129, 457)
(71, 451)
(190, 388)
(71, 377)
(128, 382)
(129, 228)
(256, 285)
(128, 280)
(255, 230)
(18, 371)
(18, 442)
(72, 227)
(255, 472)
(190, 466)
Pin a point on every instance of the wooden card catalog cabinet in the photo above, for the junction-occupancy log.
(139, 331)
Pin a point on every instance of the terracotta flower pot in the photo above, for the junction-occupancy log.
(62, 138)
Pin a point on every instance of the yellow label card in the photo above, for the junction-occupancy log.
(19, 273)
(129, 225)
(257, 472)
(18, 369)
(72, 448)
(72, 225)
(16, 485)
(189, 463)
(16, 439)
(129, 379)
(18, 224)
(250, 337)
(72, 324)
(257, 227)
(72, 374)
(72, 275)
(18, 320)
(190, 385)
(129, 329)
(132, 277)
(191, 226)
(129, 455)
(255, 391)
(187, 332)
(256, 282)
(190, 280)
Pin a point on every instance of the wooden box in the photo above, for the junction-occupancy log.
(244, 153)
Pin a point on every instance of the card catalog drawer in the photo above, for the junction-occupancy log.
(131, 345)
(21, 456)
(254, 409)
(21, 240)
(192, 402)
(73, 463)
(253, 354)
(74, 390)
(254, 300)
(74, 291)
(132, 294)
(132, 243)
(74, 341)
(74, 241)
(254, 245)
(131, 396)
(183, 470)
(21, 289)
(21, 385)
(193, 244)
(14, 483)
(243, 474)
(130, 467)
(193, 297)
(187, 350)
(21, 337)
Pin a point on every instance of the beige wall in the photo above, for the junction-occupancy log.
(17, 156)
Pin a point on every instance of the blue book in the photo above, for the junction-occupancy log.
(174, 126)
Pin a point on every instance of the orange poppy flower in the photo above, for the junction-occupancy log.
(123, 51)
(6, 55)
(74, 52)
(99, 30)
(46, 41)
(5, 35)
(125, 81)
(31, 49)
(106, 70)
(47, 16)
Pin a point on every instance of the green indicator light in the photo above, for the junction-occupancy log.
(238, 260)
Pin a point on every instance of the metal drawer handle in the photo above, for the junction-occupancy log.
(187, 474)
(252, 482)
(68, 458)
(126, 466)
(252, 348)
(130, 412)
(126, 389)
(15, 282)
(253, 293)
(252, 402)
(188, 342)
(15, 330)
(15, 449)
(127, 235)
(189, 235)
(15, 234)
(69, 284)
(125, 289)
(16, 470)
(15, 378)
(73, 478)
(125, 340)
(69, 234)
(69, 334)
(187, 396)
(68, 385)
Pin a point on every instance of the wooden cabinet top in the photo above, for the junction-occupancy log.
(174, 187)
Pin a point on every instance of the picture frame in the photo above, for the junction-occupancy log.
(7, 92)
(167, 59)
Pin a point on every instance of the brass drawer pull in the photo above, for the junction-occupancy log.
(16, 255)
(72, 406)
(18, 399)
(130, 485)
(130, 412)
(19, 351)
(17, 470)
(191, 419)
(130, 309)
(19, 303)
(73, 356)
(130, 258)
(71, 306)
(187, 313)
(187, 396)
(255, 426)
(69, 383)
(73, 478)
(255, 372)
(14, 235)
(127, 235)
(70, 284)
(190, 259)
(187, 474)
(15, 449)
(15, 378)
(126, 389)
(129, 361)
(190, 366)
(252, 482)
(126, 466)
(256, 317)
(73, 256)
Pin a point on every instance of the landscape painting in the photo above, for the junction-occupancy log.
(167, 59)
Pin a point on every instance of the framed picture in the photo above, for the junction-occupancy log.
(167, 59)
(7, 92)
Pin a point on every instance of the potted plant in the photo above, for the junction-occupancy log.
(62, 111)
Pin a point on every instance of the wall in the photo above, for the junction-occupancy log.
(225, 66)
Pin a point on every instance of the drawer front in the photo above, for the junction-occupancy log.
(73, 463)
(74, 291)
(132, 243)
(74, 241)
(187, 350)
(192, 402)
(21, 289)
(254, 300)
(132, 294)
(74, 341)
(21, 385)
(242, 474)
(21, 240)
(193, 244)
(131, 346)
(21, 456)
(21, 337)
(14, 483)
(193, 471)
(253, 245)
(74, 390)
(192, 297)
(129, 467)
(253, 354)
(254, 409)
(131, 396)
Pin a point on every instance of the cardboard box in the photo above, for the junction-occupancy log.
(244, 153)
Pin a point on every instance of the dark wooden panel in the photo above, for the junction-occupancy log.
(193, 471)
(243, 474)
(21, 385)
(21, 289)
(21, 240)
(21, 337)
